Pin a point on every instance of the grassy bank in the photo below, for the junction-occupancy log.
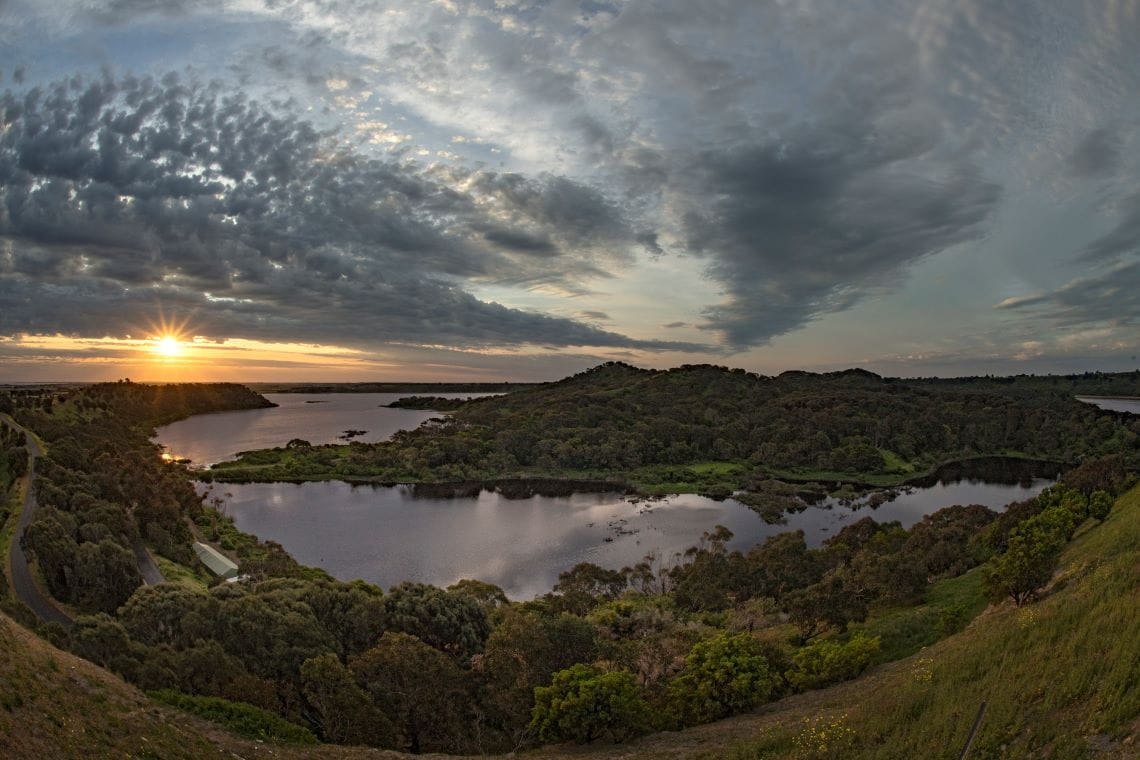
(1060, 677)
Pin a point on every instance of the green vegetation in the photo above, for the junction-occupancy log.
(723, 675)
(101, 487)
(244, 720)
(430, 403)
(713, 430)
(583, 704)
(1059, 676)
(607, 653)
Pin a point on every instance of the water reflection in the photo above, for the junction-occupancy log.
(386, 535)
(1130, 405)
(317, 417)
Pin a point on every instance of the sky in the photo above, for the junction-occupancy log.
(346, 190)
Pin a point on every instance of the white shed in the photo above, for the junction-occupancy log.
(217, 563)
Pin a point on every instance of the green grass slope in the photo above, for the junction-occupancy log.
(1060, 677)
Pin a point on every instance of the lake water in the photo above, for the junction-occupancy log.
(386, 535)
(317, 417)
(1131, 405)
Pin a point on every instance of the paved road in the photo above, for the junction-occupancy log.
(151, 575)
(22, 582)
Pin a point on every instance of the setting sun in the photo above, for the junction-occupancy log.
(168, 345)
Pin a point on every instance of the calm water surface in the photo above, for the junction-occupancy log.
(385, 535)
(317, 417)
(1115, 404)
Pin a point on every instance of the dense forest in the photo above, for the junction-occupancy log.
(103, 487)
(607, 654)
(715, 430)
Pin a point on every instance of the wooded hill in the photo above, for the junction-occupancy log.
(707, 428)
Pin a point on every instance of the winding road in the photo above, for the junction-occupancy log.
(151, 575)
(24, 585)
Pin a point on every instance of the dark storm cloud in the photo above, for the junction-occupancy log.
(521, 241)
(1111, 297)
(124, 11)
(1121, 240)
(799, 229)
(1098, 153)
(120, 196)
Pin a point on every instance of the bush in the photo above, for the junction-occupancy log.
(952, 619)
(724, 675)
(583, 703)
(241, 718)
(1100, 504)
(828, 662)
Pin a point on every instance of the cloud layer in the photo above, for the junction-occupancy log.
(120, 196)
(645, 176)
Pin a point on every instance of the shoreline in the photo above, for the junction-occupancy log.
(548, 485)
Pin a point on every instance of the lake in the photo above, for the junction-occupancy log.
(319, 418)
(1131, 405)
(386, 535)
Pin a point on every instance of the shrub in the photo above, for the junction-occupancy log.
(724, 675)
(952, 619)
(1100, 504)
(828, 662)
(241, 718)
(583, 703)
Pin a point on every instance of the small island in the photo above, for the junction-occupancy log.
(428, 403)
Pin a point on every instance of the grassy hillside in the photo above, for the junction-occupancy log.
(53, 704)
(1060, 677)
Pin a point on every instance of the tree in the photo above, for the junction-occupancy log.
(105, 575)
(421, 690)
(831, 602)
(1025, 567)
(489, 596)
(579, 589)
(155, 614)
(1100, 505)
(724, 675)
(522, 653)
(451, 622)
(583, 704)
(782, 564)
(341, 710)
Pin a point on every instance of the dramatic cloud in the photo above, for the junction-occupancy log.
(1111, 297)
(798, 231)
(462, 175)
(1098, 153)
(118, 196)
